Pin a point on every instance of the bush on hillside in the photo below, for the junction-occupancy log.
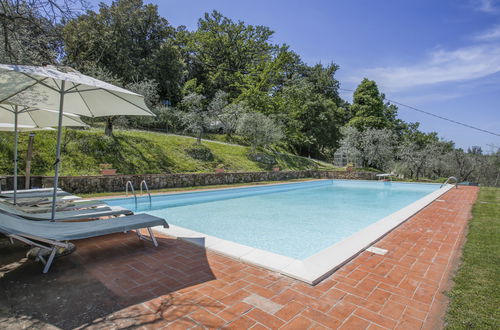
(262, 158)
(200, 152)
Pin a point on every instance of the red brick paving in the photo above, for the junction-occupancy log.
(181, 286)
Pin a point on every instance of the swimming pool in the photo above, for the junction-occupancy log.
(285, 223)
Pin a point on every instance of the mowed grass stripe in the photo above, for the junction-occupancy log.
(475, 296)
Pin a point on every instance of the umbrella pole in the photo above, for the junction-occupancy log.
(16, 137)
(58, 151)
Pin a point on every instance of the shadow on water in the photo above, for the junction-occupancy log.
(102, 284)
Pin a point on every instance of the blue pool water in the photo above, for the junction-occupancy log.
(295, 220)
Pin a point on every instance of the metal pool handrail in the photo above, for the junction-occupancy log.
(450, 178)
(129, 183)
(143, 182)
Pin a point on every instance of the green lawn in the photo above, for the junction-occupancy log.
(475, 297)
(137, 152)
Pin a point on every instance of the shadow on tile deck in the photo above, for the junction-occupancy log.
(119, 281)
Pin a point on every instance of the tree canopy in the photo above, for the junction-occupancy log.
(368, 109)
(131, 40)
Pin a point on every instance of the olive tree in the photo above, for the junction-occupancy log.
(461, 164)
(378, 147)
(259, 129)
(371, 147)
(417, 157)
(227, 114)
(196, 117)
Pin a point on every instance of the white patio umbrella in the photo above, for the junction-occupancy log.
(28, 119)
(66, 91)
(5, 127)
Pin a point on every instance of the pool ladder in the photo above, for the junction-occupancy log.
(143, 184)
(447, 181)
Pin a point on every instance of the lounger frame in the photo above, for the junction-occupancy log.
(53, 245)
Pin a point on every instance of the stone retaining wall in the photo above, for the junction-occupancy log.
(113, 183)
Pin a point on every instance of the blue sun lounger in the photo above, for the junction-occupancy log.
(34, 193)
(79, 214)
(51, 236)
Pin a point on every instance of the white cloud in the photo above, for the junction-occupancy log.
(487, 6)
(488, 35)
(441, 66)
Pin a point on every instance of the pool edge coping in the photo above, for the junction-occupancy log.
(249, 185)
(320, 265)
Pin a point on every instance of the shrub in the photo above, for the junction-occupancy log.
(263, 158)
(200, 152)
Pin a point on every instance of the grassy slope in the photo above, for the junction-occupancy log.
(134, 152)
(475, 297)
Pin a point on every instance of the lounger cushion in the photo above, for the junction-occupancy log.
(66, 231)
(35, 194)
(22, 191)
(98, 212)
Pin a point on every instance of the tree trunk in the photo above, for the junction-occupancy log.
(108, 129)
(198, 138)
(466, 176)
(417, 174)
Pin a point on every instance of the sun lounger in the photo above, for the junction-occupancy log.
(92, 213)
(34, 194)
(52, 236)
(62, 206)
(30, 201)
(21, 191)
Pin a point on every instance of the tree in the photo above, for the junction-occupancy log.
(461, 163)
(259, 129)
(262, 86)
(227, 114)
(490, 168)
(221, 52)
(415, 157)
(231, 116)
(368, 109)
(418, 151)
(196, 118)
(103, 74)
(148, 89)
(30, 30)
(129, 39)
(378, 146)
(371, 147)
(312, 121)
(439, 165)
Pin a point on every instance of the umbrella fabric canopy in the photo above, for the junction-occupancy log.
(66, 91)
(36, 118)
(4, 127)
(41, 87)
(26, 119)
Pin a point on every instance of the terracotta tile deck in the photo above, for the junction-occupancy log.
(180, 286)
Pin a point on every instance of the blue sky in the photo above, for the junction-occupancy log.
(441, 56)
